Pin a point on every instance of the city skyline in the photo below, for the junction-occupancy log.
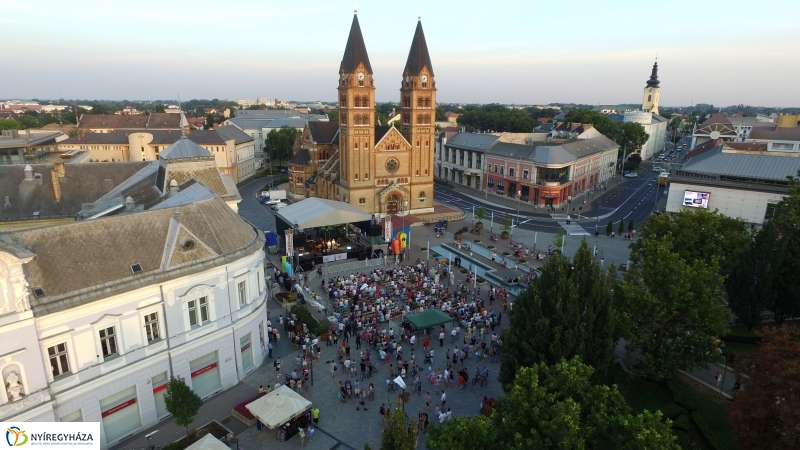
(515, 52)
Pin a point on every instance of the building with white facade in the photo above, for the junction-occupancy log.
(98, 314)
(743, 181)
(654, 125)
(233, 150)
(744, 125)
(258, 123)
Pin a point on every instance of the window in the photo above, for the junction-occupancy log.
(427, 101)
(511, 171)
(358, 102)
(525, 174)
(108, 342)
(151, 327)
(362, 201)
(200, 304)
(490, 182)
(364, 102)
(241, 289)
(59, 362)
(502, 169)
(419, 102)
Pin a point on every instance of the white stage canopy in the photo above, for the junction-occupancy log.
(318, 212)
(278, 407)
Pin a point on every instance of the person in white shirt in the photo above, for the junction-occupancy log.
(413, 341)
(442, 416)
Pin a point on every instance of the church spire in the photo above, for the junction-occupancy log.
(653, 81)
(418, 56)
(355, 52)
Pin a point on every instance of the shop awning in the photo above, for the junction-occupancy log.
(208, 442)
(278, 407)
(429, 319)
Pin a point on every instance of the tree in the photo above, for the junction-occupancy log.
(498, 118)
(630, 226)
(159, 108)
(9, 124)
(600, 121)
(557, 406)
(609, 227)
(698, 234)
(280, 142)
(787, 252)
(380, 118)
(333, 115)
(441, 114)
(565, 312)
(480, 214)
(621, 227)
(558, 239)
(752, 284)
(506, 223)
(631, 137)
(672, 309)
(181, 402)
(397, 434)
(766, 413)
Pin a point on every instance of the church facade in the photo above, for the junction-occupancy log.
(381, 169)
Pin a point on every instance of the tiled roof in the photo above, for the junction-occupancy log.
(380, 132)
(146, 121)
(775, 134)
(763, 167)
(184, 149)
(472, 141)
(355, 52)
(81, 257)
(748, 146)
(418, 56)
(82, 183)
(323, 132)
(301, 158)
(230, 132)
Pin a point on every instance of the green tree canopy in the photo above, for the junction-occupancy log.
(279, 143)
(159, 108)
(698, 234)
(631, 137)
(398, 434)
(333, 115)
(9, 124)
(497, 118)
(181, 402)
(600, 121)
(672, 309)
(565, 312)
(556, 407)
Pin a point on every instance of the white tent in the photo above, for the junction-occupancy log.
(318, 212)
(278, 407)
(208, 442)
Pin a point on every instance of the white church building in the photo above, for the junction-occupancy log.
(654, 124)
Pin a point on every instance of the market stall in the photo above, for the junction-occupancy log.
(208, 442)
(282, 410)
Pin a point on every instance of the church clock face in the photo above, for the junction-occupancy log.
(424, 78)
(392, 165)
(342, 76)
(360, 76)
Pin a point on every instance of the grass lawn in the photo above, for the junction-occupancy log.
(736, 348)
(710, 416)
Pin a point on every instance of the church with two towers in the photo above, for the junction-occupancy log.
(381, 169)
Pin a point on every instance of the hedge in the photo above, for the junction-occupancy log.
(741, 339)
(314, 326)
(710, 419)
(683, 395)
(241, 409)
(681, 423)
(672, 411)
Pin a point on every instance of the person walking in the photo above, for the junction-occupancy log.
(718, 377)
(315, 415)
(441, 338)
(382, 413)
(444, 399)
(269, 347)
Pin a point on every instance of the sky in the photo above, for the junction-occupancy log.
(513, 52)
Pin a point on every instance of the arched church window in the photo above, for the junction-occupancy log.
(365, 102)
(365, 120)
(419, 102)
(649, 98)
(427, 102)
(358, 102)
(358, 119)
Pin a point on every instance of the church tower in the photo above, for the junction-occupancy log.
(418, 116)
(356, 118)
(652, 92)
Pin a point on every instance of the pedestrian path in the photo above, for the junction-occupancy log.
(573, 229)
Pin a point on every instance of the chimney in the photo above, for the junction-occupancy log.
(28, 172)
(59, 166)
(56, 185)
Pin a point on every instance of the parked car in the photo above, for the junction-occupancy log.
(631, 175)
(657, 169)
(440, 226)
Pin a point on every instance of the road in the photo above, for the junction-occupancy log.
(251, 209)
